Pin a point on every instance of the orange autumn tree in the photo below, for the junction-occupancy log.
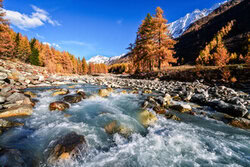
(85, 68)
(215, 52)
(153, 46)
(6, 42)
(164, 43)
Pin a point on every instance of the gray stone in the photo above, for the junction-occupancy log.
(3, 76)
(15, 97)
(2, 99)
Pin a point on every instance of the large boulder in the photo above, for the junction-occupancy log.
(66, 147)
(147, 118)
(72, 98)
(17, 111)
(11, 157)
(58, 105)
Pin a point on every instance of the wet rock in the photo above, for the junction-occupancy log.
(111, 127)
(4, 124)
(159, 110)
(103, 92)
(147, 91)
(58, 105)
(18, 111)
(181, 107)
(240, 123)
(233, 110)
(172, 116)
(147, 118)
(30, 94)
(124, 92)
(67, 146)
(60, 92)
(81, 93)
(2, 99)
(199, 98)
(11, 157)
(72, 98)
(167, 100)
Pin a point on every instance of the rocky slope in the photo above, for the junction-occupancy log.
(203, 30)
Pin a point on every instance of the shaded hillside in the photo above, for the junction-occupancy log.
(202, 31)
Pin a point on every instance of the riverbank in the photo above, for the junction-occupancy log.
(160, 98)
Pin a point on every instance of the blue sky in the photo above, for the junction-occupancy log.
(91, 27)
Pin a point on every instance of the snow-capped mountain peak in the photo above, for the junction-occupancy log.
(178, 27)
(103, 59)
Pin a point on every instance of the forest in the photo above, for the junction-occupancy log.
(153, 50)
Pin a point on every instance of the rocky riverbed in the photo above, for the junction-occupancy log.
(26, 89)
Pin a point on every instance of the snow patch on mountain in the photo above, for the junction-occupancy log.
(103, 59)
(178, 27)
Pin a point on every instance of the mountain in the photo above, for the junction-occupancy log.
(103, 59)
(178, 27)
(194, 39)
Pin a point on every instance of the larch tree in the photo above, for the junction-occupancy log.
(164, 43)
(6, 42)
(84, 66)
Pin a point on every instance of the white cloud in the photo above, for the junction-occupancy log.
(52, 45)
(23, 21)
(46, 43)
(56, 45)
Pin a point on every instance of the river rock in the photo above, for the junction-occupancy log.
(159, 110)
(58, 105)
(81, 93)
(103, 92)
(30, 94)
(67, 146)
(15, 97)
(167, 100)
(172, 116)
(240, 123)
(4, 124)
(147, 118)
(72, 98)
(61, 92)
(2, 99)
(233, 110)
(11, 157)
(17, 111)
(111, 127)
(181, 107)
(3, 76)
